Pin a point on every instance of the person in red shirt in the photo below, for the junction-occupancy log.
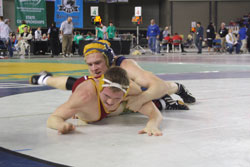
(177, 40)
(167, 43)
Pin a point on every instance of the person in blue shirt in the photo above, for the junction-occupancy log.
(199, 37)
(153, 33)
(243, 39)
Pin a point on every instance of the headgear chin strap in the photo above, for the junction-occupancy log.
(116, 85)
(107, 51)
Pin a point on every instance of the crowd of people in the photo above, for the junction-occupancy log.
(64, 40)
(235, 36)
(229, 38)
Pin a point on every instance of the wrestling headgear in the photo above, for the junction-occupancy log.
(103, 47)
(103, 82)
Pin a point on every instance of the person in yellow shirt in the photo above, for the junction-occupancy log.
(21, 27)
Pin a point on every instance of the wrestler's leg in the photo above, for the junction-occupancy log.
(179, 89)
(167, 103)
(59, 82)
(172, 87)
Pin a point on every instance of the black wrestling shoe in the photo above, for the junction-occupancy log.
(174, 104)
(38, 79)
(185, 94)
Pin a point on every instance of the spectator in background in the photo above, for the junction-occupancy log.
(111, 31)
(210, 36)
(1, 23)
(20, 28)
(158, 43)
(190, 40)
(217, 43)
(177, 41)
(5, 36)
(167, 43)
(165, 32)
(38, 34)
(223, 32)
(53, 34)
(99, 32)
(77, 38)
(153, 33)
(89, 36)
(243, 38)
(67, 37)
(248, 35)
(23, 41)
(199, 37)
(231, 42)
(44, 37)
(104, 31)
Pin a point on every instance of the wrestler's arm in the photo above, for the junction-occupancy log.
(77, 100)
(156, 88)
(155, 118)
(134, 89)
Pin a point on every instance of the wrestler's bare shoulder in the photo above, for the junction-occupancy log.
(85, 92)
(127, 63)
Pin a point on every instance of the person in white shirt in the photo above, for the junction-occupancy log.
(38, 34)
(104, 30)
(67, 33)
(231, 42)
(165, 32)
(5, 36)
(1, 24)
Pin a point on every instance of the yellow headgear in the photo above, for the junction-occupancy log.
(101, 46)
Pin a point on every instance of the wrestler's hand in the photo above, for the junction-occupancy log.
(134, 103)
(151, 131)
(66, 127)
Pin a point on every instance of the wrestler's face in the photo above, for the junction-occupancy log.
(96, 64)
(111, 99)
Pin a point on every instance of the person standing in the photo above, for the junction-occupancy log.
(248, 36)
(104, 31)
(67, 33)
(5, 36)
(98, 32)
(243, 37)
(153, 33)
(111, 31)
(210, 36)
(38, 34)
(1, 23)
(77, 38)
(223, 32)
(199, 37)
(53, 33)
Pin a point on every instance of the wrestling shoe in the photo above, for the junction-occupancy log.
(185, 94)
(174, 104)
(40, 78)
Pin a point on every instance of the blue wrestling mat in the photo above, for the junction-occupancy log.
(18, 87)
(10, 158)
